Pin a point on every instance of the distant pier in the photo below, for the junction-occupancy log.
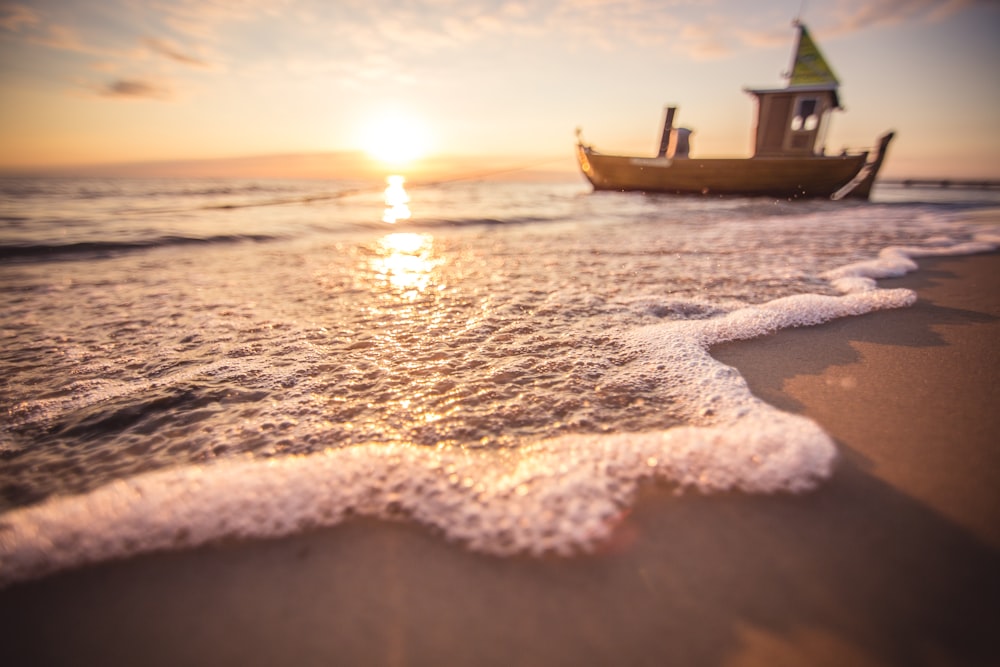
(957, 183)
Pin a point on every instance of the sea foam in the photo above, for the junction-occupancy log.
(561, 495)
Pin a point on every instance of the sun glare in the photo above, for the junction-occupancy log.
(396, 201)
(395, 139)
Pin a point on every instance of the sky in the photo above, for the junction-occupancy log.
(486, 82)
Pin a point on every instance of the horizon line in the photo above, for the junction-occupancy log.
(356, 164)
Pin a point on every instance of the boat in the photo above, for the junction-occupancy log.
(789, 158)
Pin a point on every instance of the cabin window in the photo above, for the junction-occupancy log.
(806, 117)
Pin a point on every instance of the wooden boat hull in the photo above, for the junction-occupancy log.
(784, 177)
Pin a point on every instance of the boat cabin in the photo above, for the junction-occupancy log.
(792, 121)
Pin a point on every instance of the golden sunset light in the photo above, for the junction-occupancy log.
(395, 139)
(123, 82)
(396, 200)
(499, 332)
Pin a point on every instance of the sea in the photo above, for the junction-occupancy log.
(188, 361)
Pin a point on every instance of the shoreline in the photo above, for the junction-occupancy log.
(939, 355)
(894, 560)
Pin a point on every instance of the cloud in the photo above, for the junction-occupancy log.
(764, 39)
(204, 19)
(82, 29)
(134, 89)
(715, 36)
(707, 41)
(62, 37)
(13, 17)
(169, 50)
(29, 27)
(854, 15)
(368, 42)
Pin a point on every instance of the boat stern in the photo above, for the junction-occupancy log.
(861, 186)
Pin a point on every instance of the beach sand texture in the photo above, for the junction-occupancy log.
(893, 561)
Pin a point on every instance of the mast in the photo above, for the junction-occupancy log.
(668, 126)
(787, 74)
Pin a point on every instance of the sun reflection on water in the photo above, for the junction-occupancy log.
(406, 269)
(405, 261)
(396, 200)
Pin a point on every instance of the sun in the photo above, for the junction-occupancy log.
(395, 138)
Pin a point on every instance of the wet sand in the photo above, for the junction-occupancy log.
(894, 561)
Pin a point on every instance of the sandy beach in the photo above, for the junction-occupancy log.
(893, 561)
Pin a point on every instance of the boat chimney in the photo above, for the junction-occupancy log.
(668, 126)
(682, 143)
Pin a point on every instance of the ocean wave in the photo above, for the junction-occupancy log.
(483, 221)
(560, 495)
(430, 224)
(92, 189)
(90, 249)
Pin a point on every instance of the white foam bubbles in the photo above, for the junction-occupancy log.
(560, 495)
(897, 261)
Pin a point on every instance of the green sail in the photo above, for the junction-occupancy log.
(810, 68)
